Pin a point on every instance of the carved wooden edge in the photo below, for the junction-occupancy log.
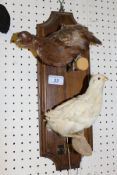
(55, 19)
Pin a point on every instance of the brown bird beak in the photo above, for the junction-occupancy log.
(14, 38)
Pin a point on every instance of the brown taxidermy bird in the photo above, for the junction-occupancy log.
(58, 48)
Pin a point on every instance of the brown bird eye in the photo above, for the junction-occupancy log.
(99, 78)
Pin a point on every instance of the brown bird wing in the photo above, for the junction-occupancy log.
(90, 36)
(77, 33)
(54, 52)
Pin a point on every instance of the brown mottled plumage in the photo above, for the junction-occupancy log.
(60, 47)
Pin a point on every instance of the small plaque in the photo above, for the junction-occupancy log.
(55, 80)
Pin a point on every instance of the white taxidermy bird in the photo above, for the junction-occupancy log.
(73, 116)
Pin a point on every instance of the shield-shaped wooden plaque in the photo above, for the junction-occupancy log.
(52, 145)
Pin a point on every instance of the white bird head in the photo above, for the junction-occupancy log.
(97, 82)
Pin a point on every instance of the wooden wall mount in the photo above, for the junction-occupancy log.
(52, 145)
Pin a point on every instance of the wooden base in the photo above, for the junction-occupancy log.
(52, 145)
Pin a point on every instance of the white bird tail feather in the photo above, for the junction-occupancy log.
(81, 146)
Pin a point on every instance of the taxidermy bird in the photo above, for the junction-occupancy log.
(73, 116)
(4, 19)
(58, 48)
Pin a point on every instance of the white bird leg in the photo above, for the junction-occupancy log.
(69, 158)
(75, 135)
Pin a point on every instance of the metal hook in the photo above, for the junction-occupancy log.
(61, 6)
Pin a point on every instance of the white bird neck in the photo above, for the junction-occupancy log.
(95, 90)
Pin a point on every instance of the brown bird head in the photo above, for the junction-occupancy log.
(26, 40)
(23, 39)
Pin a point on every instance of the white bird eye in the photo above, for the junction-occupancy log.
(99, 78)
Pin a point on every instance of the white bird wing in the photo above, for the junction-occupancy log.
(70, 117)
(73, 110)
